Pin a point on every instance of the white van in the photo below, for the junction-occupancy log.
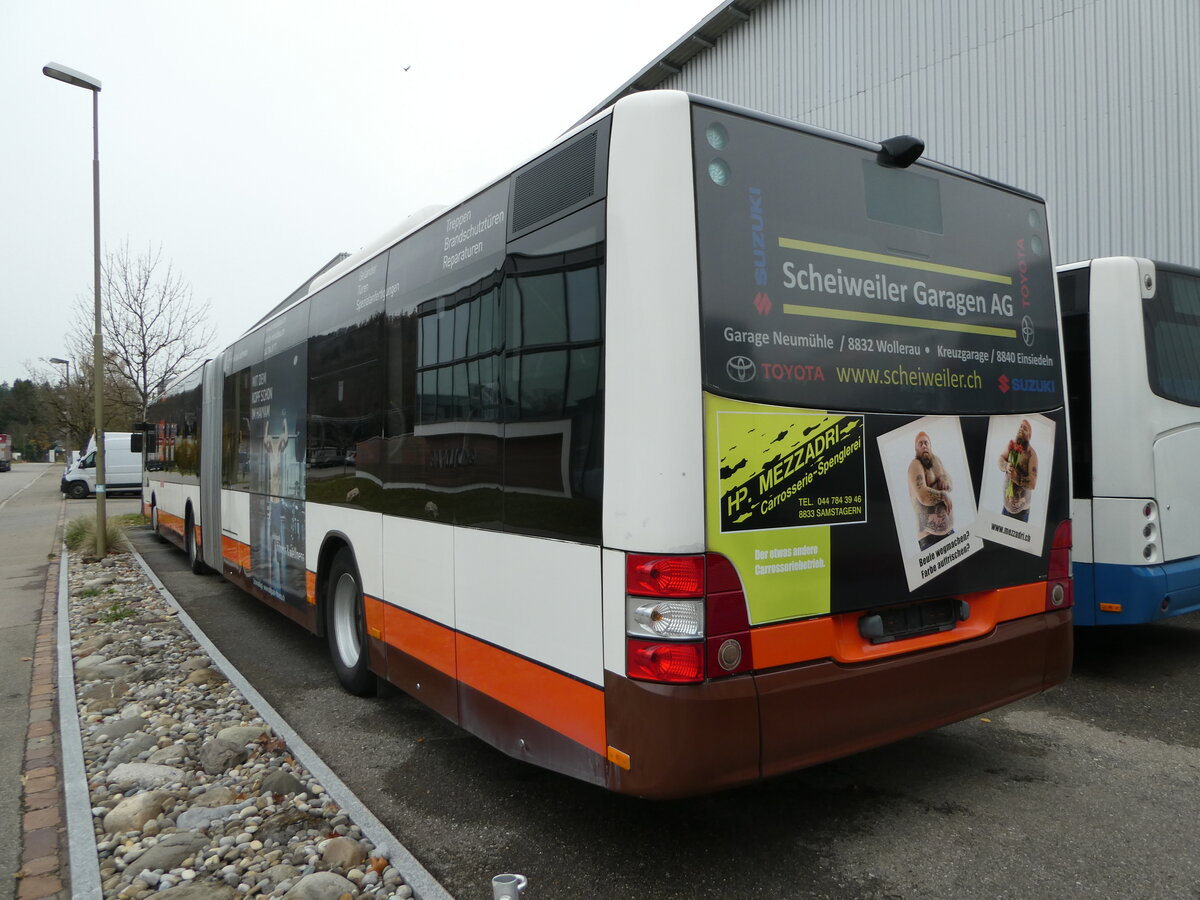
(122, 466)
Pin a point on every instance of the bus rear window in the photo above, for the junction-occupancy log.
(1172, 320)
(828, 281)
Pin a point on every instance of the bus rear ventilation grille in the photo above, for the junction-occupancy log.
(564, 179)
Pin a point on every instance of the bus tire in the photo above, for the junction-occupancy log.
(193, 552)
(345, 626)
(154, 523)
(78, 490)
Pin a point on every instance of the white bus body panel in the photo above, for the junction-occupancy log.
(613, 564)
(1161, 435)
(235, 515)
(1177, 487)
(1081, 531)
(654, 417)
(418, 568)
(535, 597)
(363, 529)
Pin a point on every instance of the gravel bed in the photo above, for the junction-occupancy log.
(191, 793)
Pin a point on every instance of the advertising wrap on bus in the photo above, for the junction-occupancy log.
(837, 295)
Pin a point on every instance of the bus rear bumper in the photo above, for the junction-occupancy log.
(822, 711)
(693, 739)
(1133, 595)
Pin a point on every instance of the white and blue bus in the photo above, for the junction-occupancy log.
(703, 447)
(1131, 329)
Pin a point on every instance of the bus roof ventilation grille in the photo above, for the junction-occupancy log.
(556, 184)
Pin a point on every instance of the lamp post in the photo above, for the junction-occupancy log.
(66, 389)
(71, 76)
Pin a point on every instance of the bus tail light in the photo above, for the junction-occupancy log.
(1060, 592)
(685, 618)
(673, 663)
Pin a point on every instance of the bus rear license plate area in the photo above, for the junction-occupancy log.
(913, 620)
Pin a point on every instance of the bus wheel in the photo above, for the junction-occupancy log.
(345, 627)
(193, 552)
(78, 490)
(154, 524)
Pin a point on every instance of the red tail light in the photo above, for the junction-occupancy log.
(673, 663)
(664, 576)
(1060, 592)
(712, 582)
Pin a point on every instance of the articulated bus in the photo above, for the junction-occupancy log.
(703, 447)
(1131, 329)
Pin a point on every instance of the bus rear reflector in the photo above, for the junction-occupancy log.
(1060, 593)
(673, 663)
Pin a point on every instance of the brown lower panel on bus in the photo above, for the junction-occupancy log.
(695, 738)
(306, 615)
(528, 711)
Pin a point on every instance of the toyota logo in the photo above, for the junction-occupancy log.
(1027, 331)
(740, 369)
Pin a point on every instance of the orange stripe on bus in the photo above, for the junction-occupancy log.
(310, 587)
(568, 706)
(170, 522)
(431, 643)
(235, 553)
(837, 637)
(373, 610)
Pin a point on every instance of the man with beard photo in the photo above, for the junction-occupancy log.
(929, 487)
(1019, 464)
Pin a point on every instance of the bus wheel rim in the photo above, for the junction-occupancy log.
(345, 624)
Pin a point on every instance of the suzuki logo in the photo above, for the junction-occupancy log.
(740, 369)
(1005, 384)
(762, 303)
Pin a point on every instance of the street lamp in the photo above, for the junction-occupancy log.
(63, 362)
(71, 76)
(66, 390)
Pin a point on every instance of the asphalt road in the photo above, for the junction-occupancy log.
(1091, 790)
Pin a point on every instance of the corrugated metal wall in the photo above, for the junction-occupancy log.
(1094, 104)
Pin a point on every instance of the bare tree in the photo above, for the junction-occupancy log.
(153, 329)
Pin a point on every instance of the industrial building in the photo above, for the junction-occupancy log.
(1090, 103)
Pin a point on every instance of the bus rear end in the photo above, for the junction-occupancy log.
(886, 483)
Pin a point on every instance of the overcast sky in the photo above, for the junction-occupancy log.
(252, 141)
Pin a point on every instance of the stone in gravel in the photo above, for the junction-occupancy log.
(134, 812)
(107, 690)
(92, 667)
(205, 676)
(192, 663)
(167, 756)
(343, 853)
(320, 886)
(206, 891)
(168, 853)
(281, 782)
(202, 816)
(219, 756)
(280, 873)
(120, 727)
(91, 645)
(243, 734)
(284, 825)
(148, 673)
(146, 775)
(218, 795)
(128, 751)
